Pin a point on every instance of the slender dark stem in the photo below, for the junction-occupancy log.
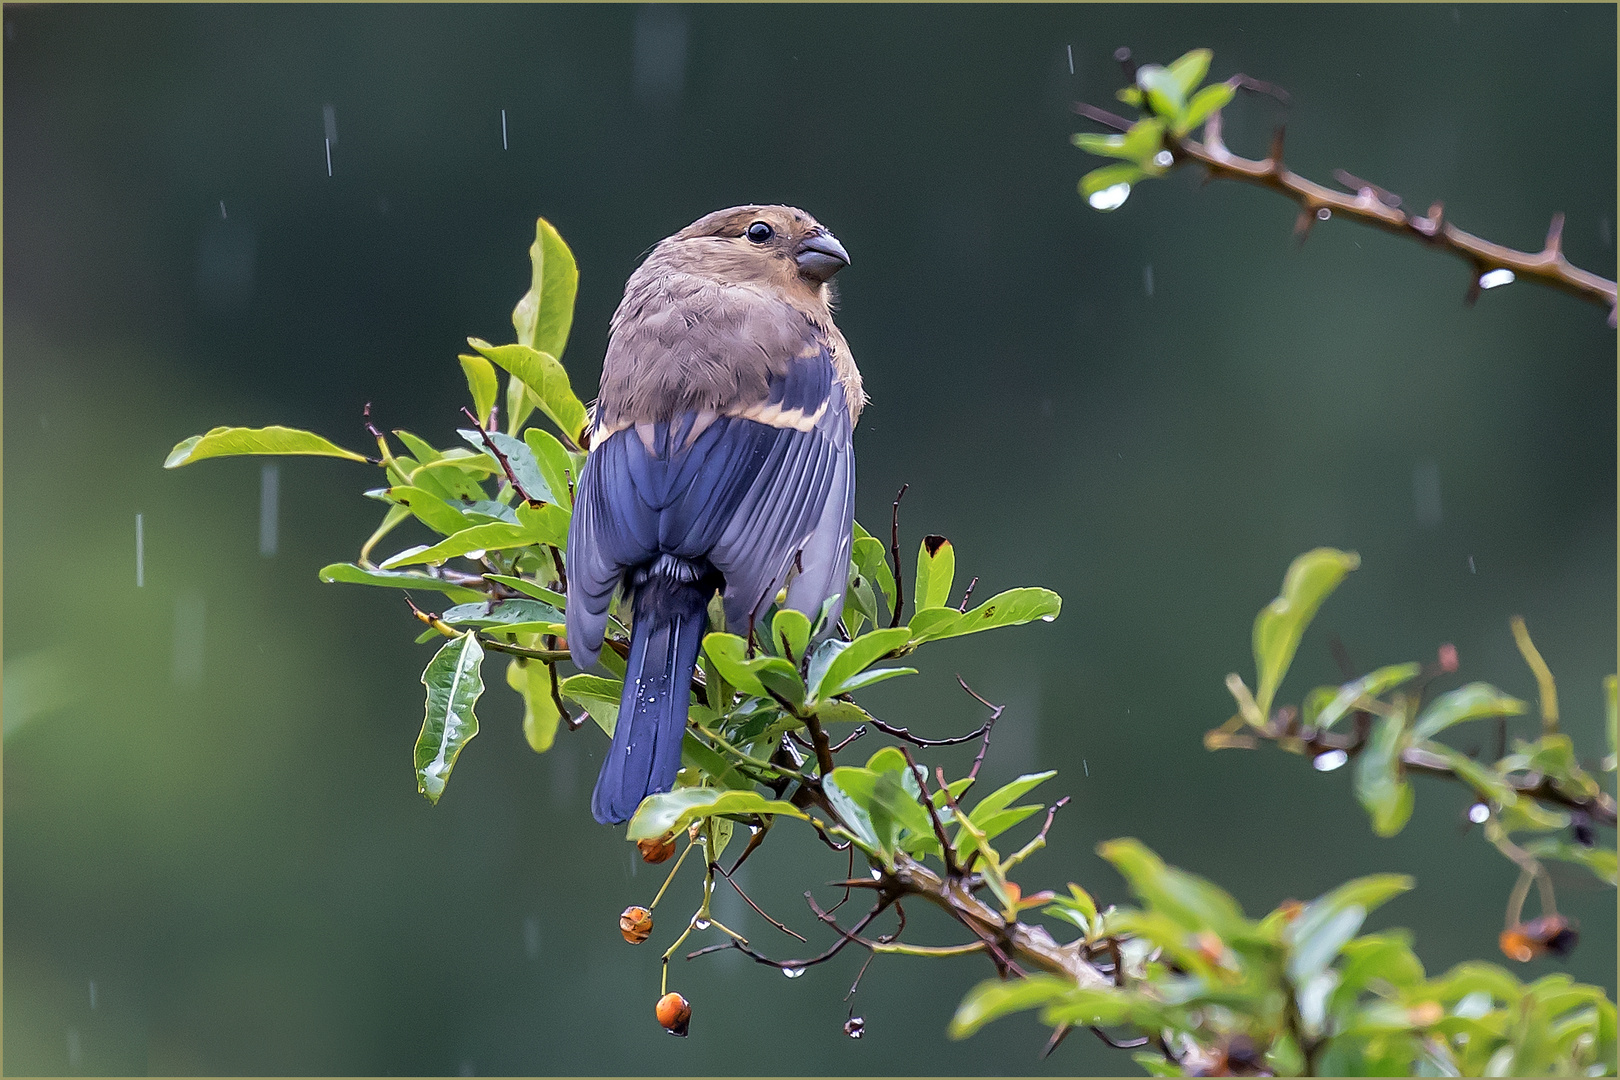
(851, 737)
(756, 907)
(995, 714)
(562, 574)
(506, 466)
(968, 595)
(845, 900)
(917, 740)
(947, 852)
(836, 948)
(894, 553)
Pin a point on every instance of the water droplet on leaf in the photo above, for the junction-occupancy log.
(793, 972)
(1110, 198)
(1330, 760)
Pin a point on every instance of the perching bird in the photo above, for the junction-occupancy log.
(720, 459)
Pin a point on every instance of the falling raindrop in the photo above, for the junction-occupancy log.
(269, 504)
(1492, 278)
(92, 995)
(1478, 813)
(792, 971)
(1471, 569)
(1071, 72)
(1110, 198)
(1147, 279)
(1330, 760)
(140, 550)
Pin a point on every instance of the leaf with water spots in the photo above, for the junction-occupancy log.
(454, 681)
(1011, 608)
(235, 441)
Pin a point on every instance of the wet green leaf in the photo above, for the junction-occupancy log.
(936, 569)
(547, 384)
(1189, 69)
(1109, 176)
(1387, 956)
(231, 442)
(1007, 794)
(672, 811)
(868, 556)
(481, 383)
(510, 616)
(993, 999)
(1078, 907)
(1191, 901)
(530, 588)
(1371, 685)
(1162, 90)
(1380, 787)
(1011, 608)
(428, 508)
(758, 676)
(417, 447)
(546, 524)
(544, 316)
(790, 633)
(836, 663)
(1487, 783)
(519, 457)
(1472, 702)
(351, 574)
(554, 464)
(1206, 101)
(532, 679)
(453, 685)
(1332, 919)
(1281, 623)
(597, 696)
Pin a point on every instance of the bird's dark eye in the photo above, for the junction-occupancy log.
(759, 232)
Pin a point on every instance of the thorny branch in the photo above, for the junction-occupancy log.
(1370, 205)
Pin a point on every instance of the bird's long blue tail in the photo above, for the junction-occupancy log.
(670, 618)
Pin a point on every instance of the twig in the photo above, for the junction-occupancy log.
(995, 714)
(894, 553)
(968, 595)
(756, 907)
(947, 853)
(506, 466)
(851, 737)
(1039, 840)
(917, 740)
(834, 950)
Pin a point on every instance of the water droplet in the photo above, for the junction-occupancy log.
(1323, 214)
(793, 972)
(877, 875)
(1478, 813)
(1110, 198)
(1492, 278)
(1048, 618)
(1164, 159)
(700, 924)
(1330, 760)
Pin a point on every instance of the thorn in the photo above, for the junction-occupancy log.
(1611, 318)
(1303, 223)
(1555, 235)
(1474, 289)
(1123, 55)
(1366, 189)
(1274, 158)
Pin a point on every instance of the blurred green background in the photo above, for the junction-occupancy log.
(215, 857)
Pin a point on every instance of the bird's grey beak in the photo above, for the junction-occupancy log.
(820, 256)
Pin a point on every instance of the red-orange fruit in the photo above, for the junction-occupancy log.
(636, 924)
(674, 1014)
(656, 849)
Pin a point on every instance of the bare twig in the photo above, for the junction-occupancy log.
(750, 902)
(894, 553)
(968, 595)
(995, 714)
(506, 466)
(917, 740)
(947, 852)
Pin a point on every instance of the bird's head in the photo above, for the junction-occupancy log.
(775, 245)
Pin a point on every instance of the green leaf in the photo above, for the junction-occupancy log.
(519, 457)
(543, 317)
(547, 384)
(1611, 716)
(869, 558)
(1279, 626)
(1487, 783)
(453, 685)
(1472, 702)
(232, 442)
(597, 696)
(790, 633)
(1370, 685)
(758, 676)
(1188, 70)
(532, 679)
(481, 383)
(671, 811)
(936, 569)
(1380, 787)
(874, 675)
(554, 464)
(428, 508)
(418, 448)
(1204, 103)
(1332, 919)
(1191, 901)
(546, 524)
(351, 574)
(1163, 91)
(1007, 794)
(511, 616)
(1078, 907)
(993, 999)
(529, 588)
(1106, 177)
(836, 662)
(1601, 861)
(1011, 608)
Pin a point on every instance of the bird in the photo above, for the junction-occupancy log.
(720, 459)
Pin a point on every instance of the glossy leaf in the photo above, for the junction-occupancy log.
(427, 507)
(1204, 103)
(836, 663)
(481, 384)
(234, 441)
(546, 380)
(546, 524)
(554, 463)
(417, 447)
(758, 676)
(454, 683)
(1162, 90)
(1331, 920)
(513, 616)
(1078, 907)
(1311, 578)
(1599, 860)
(671, 811)
(597, 696)
(936, 569)
(1191, 901)
(1011, 608)
(351, 574)
(1380, 787)
(1371, 685)
(544, 316)
(1472, 702)
(1007, 794)
(869, 557)
(790, 633)
(520, 459)
(1487, 782)
(529, 588)
(1109, 176)
(1189, 69)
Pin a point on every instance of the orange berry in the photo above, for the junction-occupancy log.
(674, 1014)
(636, 924)
(656, 849)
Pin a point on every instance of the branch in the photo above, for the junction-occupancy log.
(894, 552)
(506, 466)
